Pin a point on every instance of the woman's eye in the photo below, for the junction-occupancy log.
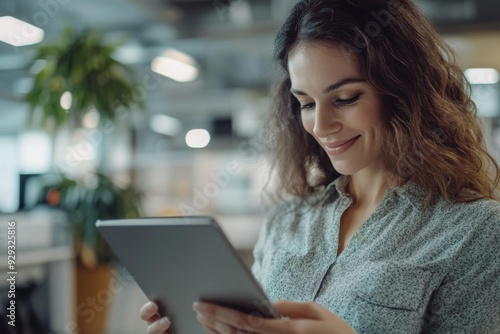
(346, 102)
(307, 106)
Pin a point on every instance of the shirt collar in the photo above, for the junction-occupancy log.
(410, 190)
(413, 192)
(339, 185)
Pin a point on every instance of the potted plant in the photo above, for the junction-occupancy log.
(82, 68)
(83, 65)
(76, 75)
(86, 200)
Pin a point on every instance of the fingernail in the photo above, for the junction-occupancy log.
(164, 322)
(150, 308)
(196, 306)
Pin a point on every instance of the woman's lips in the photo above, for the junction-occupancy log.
(339, 149)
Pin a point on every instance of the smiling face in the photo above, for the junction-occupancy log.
(338, 105)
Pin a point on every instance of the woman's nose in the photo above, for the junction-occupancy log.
(325, 122)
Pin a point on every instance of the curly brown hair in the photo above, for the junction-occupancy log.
(433, 137)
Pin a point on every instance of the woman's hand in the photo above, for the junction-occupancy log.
(301, 318)
(156, 324)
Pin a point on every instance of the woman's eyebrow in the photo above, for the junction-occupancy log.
(332, 87)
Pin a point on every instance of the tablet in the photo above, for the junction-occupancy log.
(179, 260)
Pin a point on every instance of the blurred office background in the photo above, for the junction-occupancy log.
(219, 169)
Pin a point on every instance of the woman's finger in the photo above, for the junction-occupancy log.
(313, 316)
(222, 320)
(148, 311)
(210, 330)
(214, 315)
(207, 323)
(160, 326)
(212, 324)
(299, 310)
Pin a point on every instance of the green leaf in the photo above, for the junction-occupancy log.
(82, 64)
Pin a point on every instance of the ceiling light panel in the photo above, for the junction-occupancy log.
(19, 33)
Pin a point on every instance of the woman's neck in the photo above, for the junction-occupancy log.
(367, 188)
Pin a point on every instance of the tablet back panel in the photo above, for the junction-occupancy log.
(177, 261)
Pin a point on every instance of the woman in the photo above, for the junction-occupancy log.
(396, 225)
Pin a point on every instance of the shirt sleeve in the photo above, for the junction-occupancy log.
(468, 300)
(264, 242)
(258, 250)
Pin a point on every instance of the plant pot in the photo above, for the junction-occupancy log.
(93, 297)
